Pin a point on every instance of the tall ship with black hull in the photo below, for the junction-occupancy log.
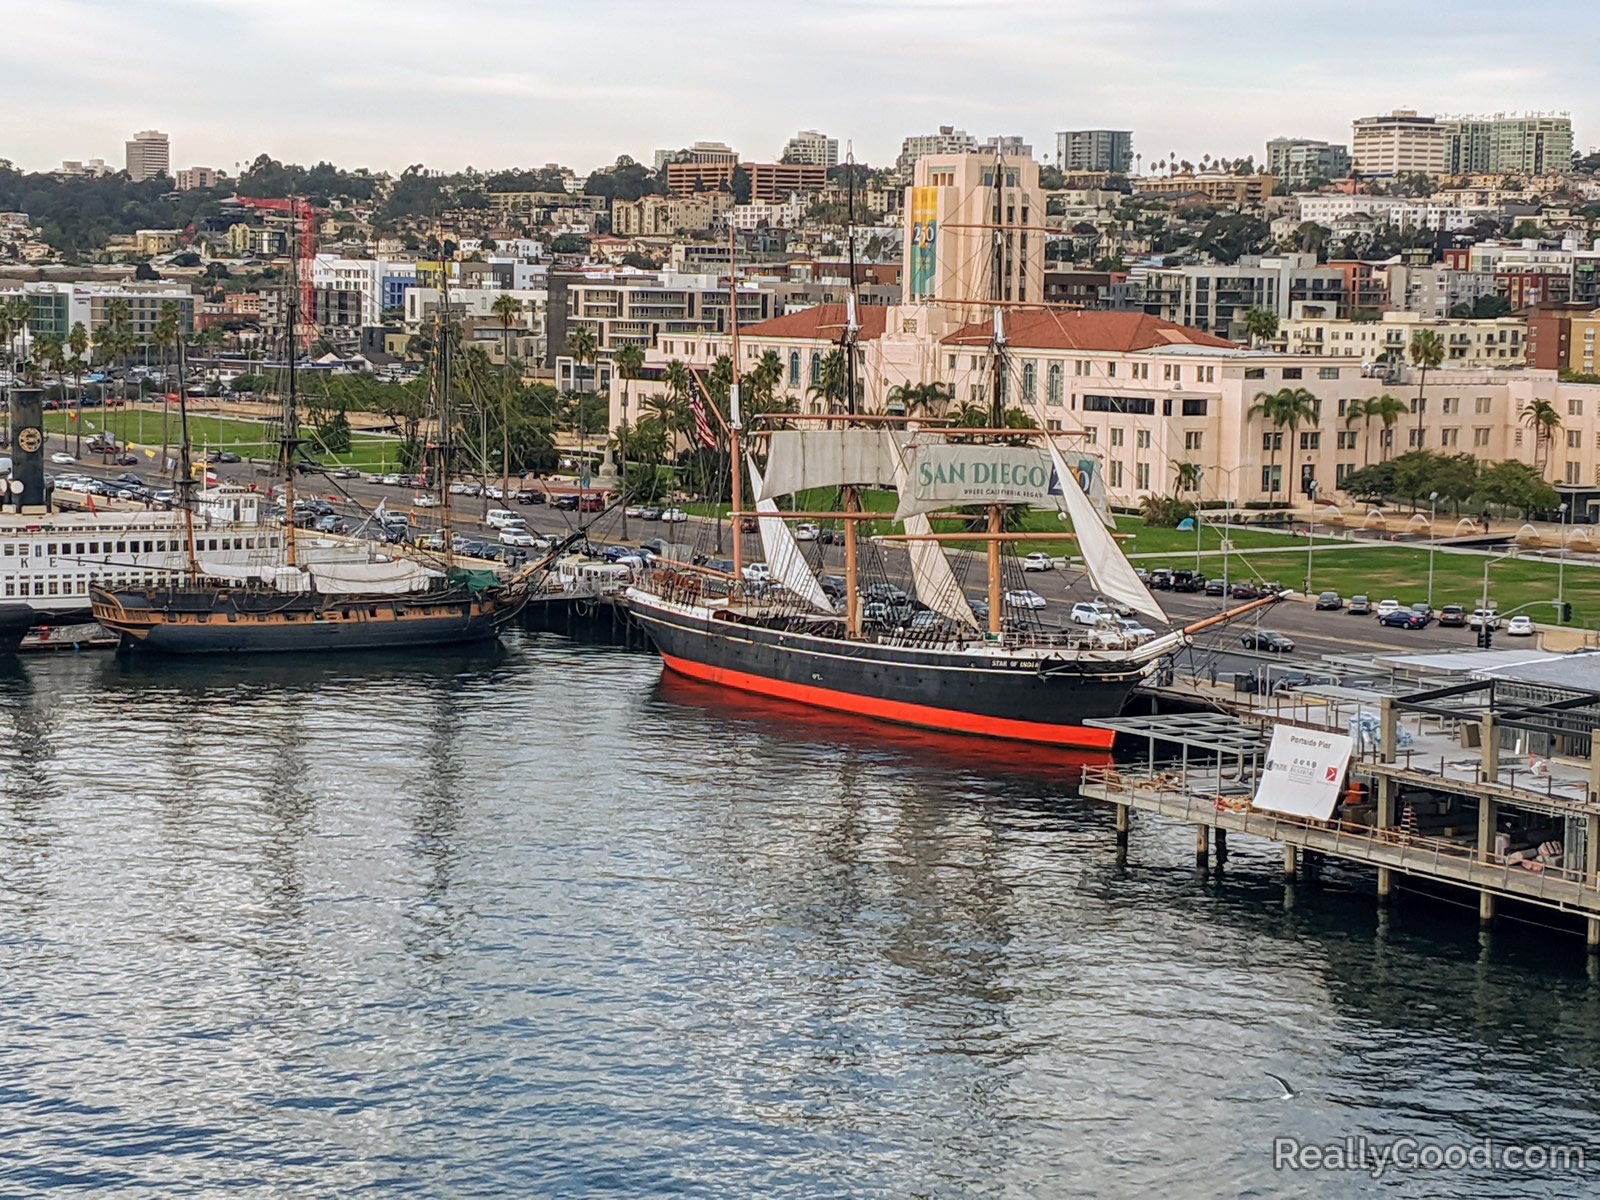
(294, 605)
(950, 663)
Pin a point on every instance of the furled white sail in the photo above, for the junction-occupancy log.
(1108, 567)
(392, 578)
(819, 458)
(784, 560)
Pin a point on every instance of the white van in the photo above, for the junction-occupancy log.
(499, 518)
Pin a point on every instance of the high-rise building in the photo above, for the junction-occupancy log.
(811, 148)
(949, 140)
(1527, 144)
(1296, 160)
(1401, 143)
(1005, 146)
(1095, 150)
(148, 155)
(953, 209)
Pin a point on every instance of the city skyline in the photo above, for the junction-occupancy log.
(385, 83)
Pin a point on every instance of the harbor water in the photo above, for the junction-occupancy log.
(531, 921)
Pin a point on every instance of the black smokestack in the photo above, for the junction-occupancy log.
(27, 449)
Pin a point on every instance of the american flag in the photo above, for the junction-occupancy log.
(702, 427)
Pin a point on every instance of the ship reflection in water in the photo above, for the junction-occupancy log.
(538, 922)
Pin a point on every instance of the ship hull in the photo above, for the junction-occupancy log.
(947, 690)
(235, 623)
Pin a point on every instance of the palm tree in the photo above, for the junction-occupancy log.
(165, 335)
(49, 353)
(969, 415)
(831, 385)
(1541, 417)
(15, 314)
(1186, 476)
(912, 399)
(1427, 351)
(1261, 324)
(1389, 410)
(507, 307)
(630, 365)
(581, 344)
(78, 343)
(1285, 409)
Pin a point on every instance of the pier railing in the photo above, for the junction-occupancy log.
(1165, 791)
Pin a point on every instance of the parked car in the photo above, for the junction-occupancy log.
(1188, 581)
(633, 510)
(424, 501)
(832, 537)
(1452, 616)
(650, 513)
(1133, 630)
(1161, 580)
(1038, 561)
(1520, 626)
(499, 518)
(1388, 606)
(1330, 602)
(226, 456)
(806, 532)
(654, 545)
(61, 456)
(757, 572)
(517, 536)
(887, 592)
(530, 496)
(1089, 613)
(1215, 587)
(1023, 598)
(1116, 607)
(1268, 640)
(570, 504)
(1245, 590)
(1360, 606)
(592, 503)
(674, 516)
(833, 586)
(1484, 616)
(1423, 610)
(347, 473)
(1404, 618)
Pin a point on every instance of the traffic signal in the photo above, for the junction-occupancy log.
(1485, 637)
(1566, 612)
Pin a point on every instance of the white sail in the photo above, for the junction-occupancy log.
(930, 570)
(784, 560)
(389, 578)
(1109, 569)
(819, 458)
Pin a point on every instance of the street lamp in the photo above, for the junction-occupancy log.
(1199, 478)
(1433, 508)
(1311, 530)
(1561, 568)
(1483, 605)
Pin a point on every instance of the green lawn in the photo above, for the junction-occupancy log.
(1402, 574)
(249, 439)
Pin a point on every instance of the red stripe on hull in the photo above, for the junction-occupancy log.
(897, 711)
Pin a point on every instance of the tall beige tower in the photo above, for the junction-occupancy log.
(148, 155)
(974, 231)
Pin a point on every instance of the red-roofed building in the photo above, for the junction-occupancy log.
(1144, 394)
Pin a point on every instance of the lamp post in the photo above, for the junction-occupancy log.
(1483, 605)
(1199, 478)
(1433, 508)
(1311, 530)
(1561, 569)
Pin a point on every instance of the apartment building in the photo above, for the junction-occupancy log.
(147, 155)
(57, 307)
(1224, 189)
(687, 177)
(949, 140)
(1479, 345)
(1108, 150)
(1005, 145)
(1144, 395)
(1514, 144)
(1396, 211)
(953, 209)
(775, 182)
(811, 148)
(1400, 143)
(1433, 291)
(663, 216)
(196, 178)
(1299, 160)
(1215, 298)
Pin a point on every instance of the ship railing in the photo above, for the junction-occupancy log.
(1211, 796)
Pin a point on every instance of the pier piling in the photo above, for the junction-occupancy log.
(1291, 861)
(1124, 823)
(1385, 885)
(1202, 843)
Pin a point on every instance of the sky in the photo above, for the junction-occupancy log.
(498, 83)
